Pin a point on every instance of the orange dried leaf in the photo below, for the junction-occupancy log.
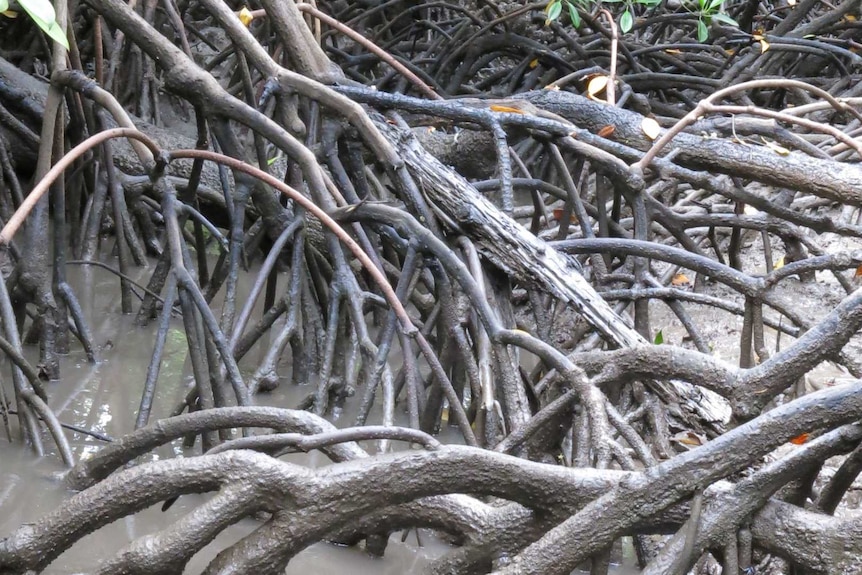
(800, 439)
(505, 109)
(858, 272)
(606, 131)
(680, 280)
(558, 215)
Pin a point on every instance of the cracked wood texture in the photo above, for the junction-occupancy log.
(511, 247)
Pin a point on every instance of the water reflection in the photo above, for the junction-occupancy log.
(105, 398)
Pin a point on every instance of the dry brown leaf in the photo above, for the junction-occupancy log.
(689, 439)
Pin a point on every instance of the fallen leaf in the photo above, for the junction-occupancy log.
(800, 439)
(858, 272)
(779, 264)
(606, 131)
(534, 63)
(651, 128)
(673, 51)
(245, 16)
(780, 150)
(505, 109)
(688, 438)
(596, 85)
(680, 280)
(764, 45)
(558, 215)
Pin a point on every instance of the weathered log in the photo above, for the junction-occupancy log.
(797, 171)
(511, 247)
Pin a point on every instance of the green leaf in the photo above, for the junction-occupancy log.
(554, 10)
(573, 15)
(42, 13)
(40, 10)
(659, 338)
(702, 31)
(626, 21)
(714, 5)
(4, 5)
(725, 19)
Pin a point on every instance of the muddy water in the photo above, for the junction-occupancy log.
(105, 398)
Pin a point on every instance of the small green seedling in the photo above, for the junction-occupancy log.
(707, 10)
